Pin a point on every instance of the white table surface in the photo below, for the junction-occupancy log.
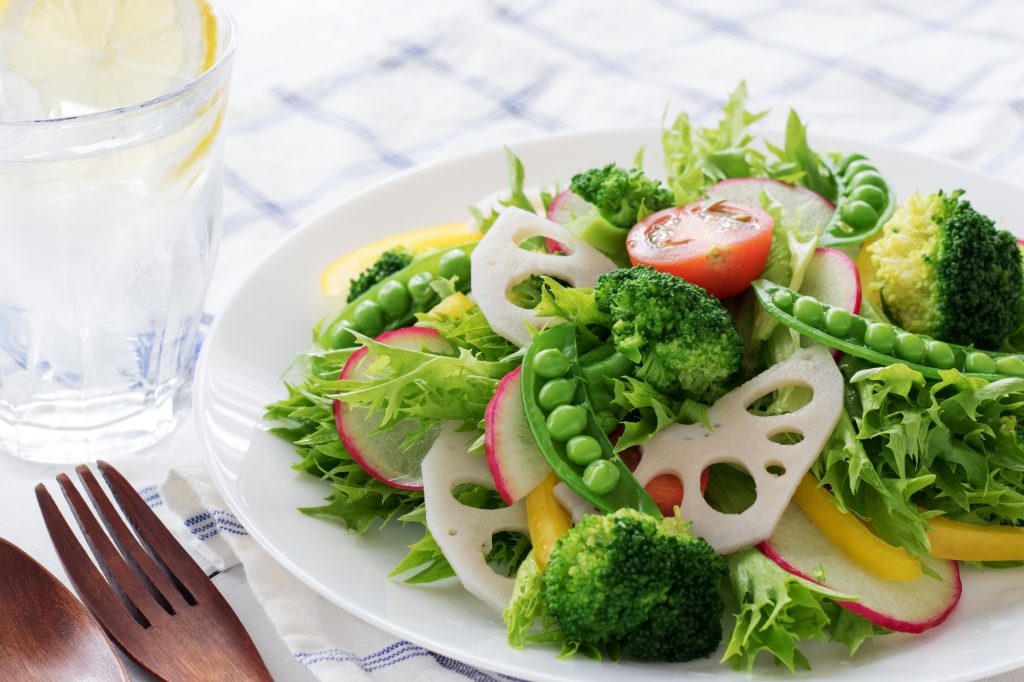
(330, 96)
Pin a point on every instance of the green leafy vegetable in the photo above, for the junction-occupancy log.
(516, 196)
(470, 330)
(921, 448)
(420, 385)
(798, 157)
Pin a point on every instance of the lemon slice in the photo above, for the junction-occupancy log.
(336, 277)
(94, 55)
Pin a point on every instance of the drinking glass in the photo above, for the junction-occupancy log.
(109, 225)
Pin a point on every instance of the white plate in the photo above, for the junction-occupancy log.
(268, 323)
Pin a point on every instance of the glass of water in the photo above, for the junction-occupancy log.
(110, 216)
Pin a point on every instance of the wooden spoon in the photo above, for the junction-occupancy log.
(45, 632)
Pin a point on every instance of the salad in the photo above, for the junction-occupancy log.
(758, 402)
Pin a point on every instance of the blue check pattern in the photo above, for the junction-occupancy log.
(330, 98)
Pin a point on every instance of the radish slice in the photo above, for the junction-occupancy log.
(832, 277)
(901, 605)
(492, 202)
(464, 533)
(564, 208)
(739, 437)
(381, 454)
(512, 454)
(811, 211)
(499, 264)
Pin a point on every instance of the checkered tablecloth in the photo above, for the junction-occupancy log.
(329, 97)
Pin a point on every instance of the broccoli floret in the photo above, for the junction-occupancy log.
(682, 338)
(944, 269)
(388, 264)
(645, 586)
(621, 196)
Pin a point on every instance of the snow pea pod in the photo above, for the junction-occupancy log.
(863, 201)
(393, 302)
(568, 433)
(878, 342)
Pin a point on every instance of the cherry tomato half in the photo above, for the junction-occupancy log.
(721, 246)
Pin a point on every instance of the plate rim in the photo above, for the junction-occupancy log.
(222, 486)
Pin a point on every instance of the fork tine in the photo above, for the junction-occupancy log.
(158, 582)
(119, 574)
(154, 535)
(95, 592)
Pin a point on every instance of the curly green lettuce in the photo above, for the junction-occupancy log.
(910, 449)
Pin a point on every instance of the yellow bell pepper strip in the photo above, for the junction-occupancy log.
(855, 539)
(973, 542)
(548, 521)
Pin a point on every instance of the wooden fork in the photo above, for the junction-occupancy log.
(152, 598)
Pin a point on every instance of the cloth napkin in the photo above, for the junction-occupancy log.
(332, 644)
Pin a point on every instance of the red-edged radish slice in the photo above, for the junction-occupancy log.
(832, 277)
(901, 605)
(382, 454)
(499, 264)
(464, 533)
(512, 454)
(813, 210)
(563, 209)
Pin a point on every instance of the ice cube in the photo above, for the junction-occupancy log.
(19, 100)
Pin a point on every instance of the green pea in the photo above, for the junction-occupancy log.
(939, 354)
(880, 337)
(869, 178)
(607, 421)
(849, 160)
(859, 166)
(455, 263)
(808, 311)
(870, 195)
(783, 299)
(857, 329)
(554, 393)
(419, 287)
(601, 476)
(583, 450)
(393, 298)
(550, 363)
(910, 347)
(342, 337)
(859, 214)
(1011, 364)
(980, 363)
(368, 318)
(566, 421)
(838, 322)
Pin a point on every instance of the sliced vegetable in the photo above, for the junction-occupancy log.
(385, 454)
(878, 342)
(464, 533)
(850, 535)
(367, 314)
(801, 548)
(498, 264)
(553, 429)
(548, 521)
(806, 211)
(718, 245)
(975, 542)
(739, 437)
(516, 464)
